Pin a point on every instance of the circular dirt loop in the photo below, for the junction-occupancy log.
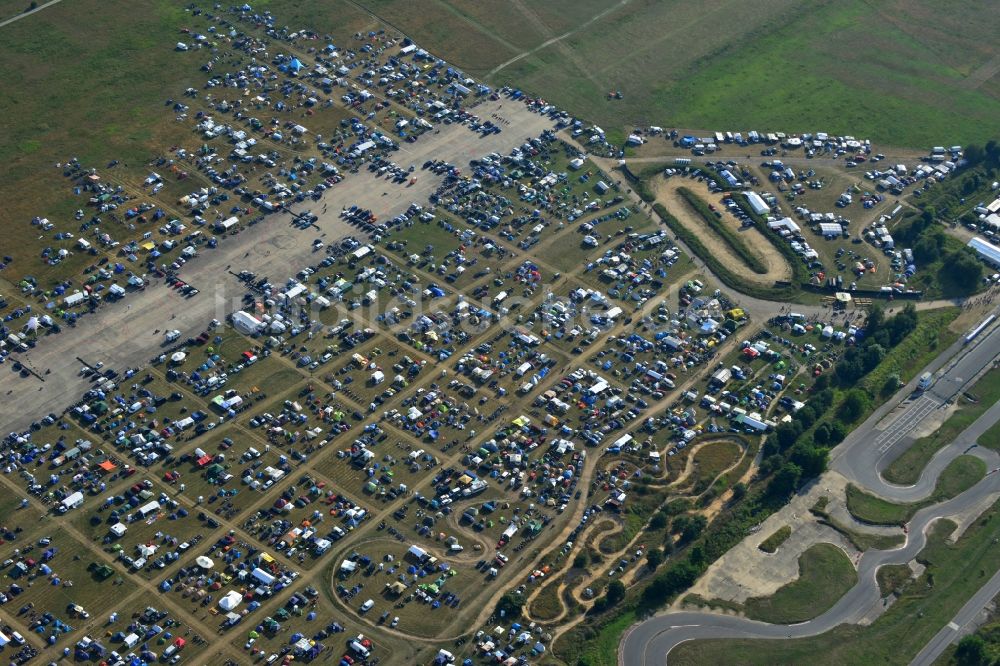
(666, 194)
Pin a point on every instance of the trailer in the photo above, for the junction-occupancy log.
(979, 329)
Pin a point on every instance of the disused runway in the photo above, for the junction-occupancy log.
(125, 334)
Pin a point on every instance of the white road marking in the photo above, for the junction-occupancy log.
(903, 424)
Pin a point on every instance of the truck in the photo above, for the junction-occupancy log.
(71, 502)
(925, 381)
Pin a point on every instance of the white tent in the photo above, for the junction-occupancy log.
(246, 323)
(262, 576)
(204, 562)
(230, 601)
(178, 357)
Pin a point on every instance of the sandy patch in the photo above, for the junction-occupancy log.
(777, 266)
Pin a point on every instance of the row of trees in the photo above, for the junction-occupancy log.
(881, 335)
(960, 270)
(987, 156)
(793, 455)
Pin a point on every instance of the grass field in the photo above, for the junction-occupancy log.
(954, 572)
(710, 461)
(963, 473)
(893, 577)
(906, 468)
(825, 574)
(892, 72)
(991, 438)
(773, 542)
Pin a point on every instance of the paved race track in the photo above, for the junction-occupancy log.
(861, 458)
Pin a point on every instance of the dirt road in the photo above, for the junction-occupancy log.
(777, 267)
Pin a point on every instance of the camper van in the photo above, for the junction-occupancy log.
(925, 381)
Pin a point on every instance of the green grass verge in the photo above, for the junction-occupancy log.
(773, 542)
(715, 604)
(862, 540)
(954, 572)
(729, 235)
(825, 575)
(915, 351)
(893, 577)
(601, 647)
(907, 467)
(961, 474)
(991, 438)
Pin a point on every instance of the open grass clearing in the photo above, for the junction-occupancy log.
(825, 574)
(978, 398)
(892, 578)
(711, 460)
(547, 606)
(963, 473)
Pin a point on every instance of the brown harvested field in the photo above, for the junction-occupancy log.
(778, 268)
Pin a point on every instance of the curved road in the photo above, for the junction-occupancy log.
(860, 458)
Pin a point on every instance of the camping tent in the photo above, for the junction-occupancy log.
(230, 601)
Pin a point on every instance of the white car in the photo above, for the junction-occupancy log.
(367, 606)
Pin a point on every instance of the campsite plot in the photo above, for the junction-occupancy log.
(426, 595)
(146, 531)
(586, 239)
(141, 616)
(67, 576)
(309, 614)
(375, 372)
(448, 249)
